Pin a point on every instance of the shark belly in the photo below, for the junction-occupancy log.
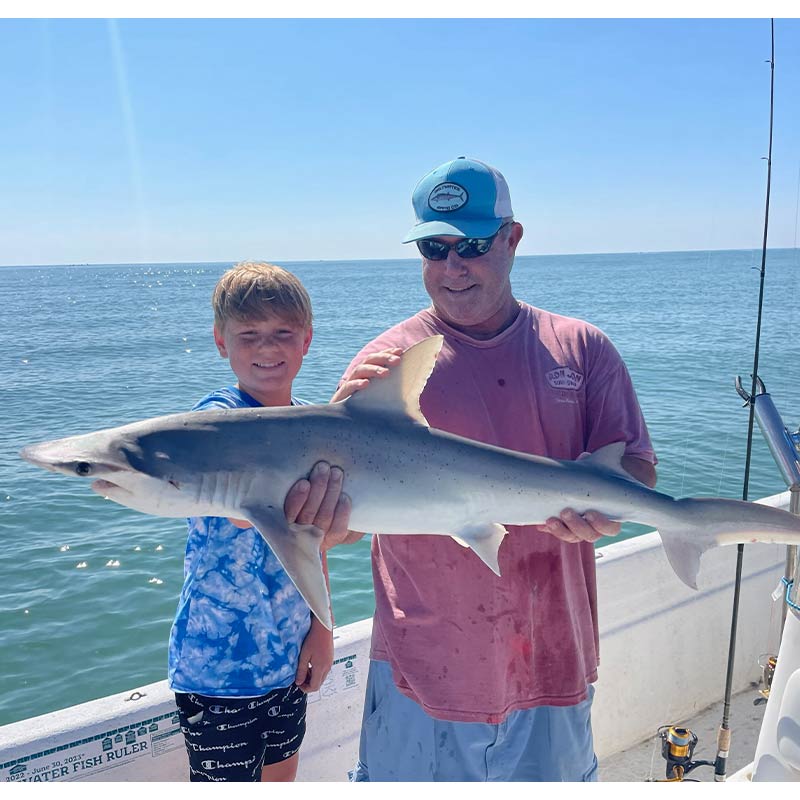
(428, 482)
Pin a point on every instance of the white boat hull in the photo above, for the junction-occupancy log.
(663, 650)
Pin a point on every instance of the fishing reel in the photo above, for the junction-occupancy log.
(677, 748)
(767, 662)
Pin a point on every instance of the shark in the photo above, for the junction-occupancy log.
(403, 477)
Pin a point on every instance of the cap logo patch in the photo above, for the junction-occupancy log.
(564, 378)
(448, 197)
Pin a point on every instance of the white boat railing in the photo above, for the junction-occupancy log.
(663, 658)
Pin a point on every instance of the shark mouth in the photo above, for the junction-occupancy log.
(107, 487)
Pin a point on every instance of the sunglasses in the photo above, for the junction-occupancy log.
(434, 250)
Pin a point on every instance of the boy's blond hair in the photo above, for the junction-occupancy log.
(254, 289)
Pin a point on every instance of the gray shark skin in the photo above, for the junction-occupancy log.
(402, 476)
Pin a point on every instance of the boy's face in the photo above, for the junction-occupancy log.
(265, 355)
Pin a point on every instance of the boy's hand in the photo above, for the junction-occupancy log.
(319, 501)
(316, 657)
(373, 366)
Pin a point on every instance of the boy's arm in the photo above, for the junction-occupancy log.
(318, 501)
(316, 653)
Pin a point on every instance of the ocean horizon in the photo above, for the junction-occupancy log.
(92, 587)
(412, 259)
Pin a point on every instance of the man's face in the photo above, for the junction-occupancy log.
(474, 295)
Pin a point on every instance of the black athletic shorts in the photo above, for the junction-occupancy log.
(230, 738)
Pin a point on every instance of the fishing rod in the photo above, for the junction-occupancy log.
(724, 733)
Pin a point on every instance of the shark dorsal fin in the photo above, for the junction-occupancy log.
(398, 392)
(609, 457)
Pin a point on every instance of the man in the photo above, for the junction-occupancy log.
(476, 677)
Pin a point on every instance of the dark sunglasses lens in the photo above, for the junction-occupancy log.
(433, 250)
(472, 248)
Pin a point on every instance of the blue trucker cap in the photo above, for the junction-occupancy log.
(463, 197)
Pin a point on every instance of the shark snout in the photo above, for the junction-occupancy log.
(62, 456)
(105, 464)
(41, 455)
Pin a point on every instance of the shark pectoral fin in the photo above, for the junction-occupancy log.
(297, 548)
(683, 555)
(484, 540)
(398, 392)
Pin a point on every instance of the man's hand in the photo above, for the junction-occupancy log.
(316, 657)
(373, 366)
(319, 501)
(570, 526)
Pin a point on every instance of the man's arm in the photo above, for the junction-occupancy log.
(642, 470)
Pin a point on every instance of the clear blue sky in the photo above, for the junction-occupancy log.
(216, 140)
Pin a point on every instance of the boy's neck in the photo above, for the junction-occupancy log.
(281, 398)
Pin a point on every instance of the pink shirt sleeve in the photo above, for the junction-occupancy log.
(612, 408)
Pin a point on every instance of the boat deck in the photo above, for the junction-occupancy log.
(643, 762)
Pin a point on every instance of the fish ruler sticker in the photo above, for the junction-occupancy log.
(73, 761)
(344, 675)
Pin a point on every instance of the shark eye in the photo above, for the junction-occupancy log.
(83, 468)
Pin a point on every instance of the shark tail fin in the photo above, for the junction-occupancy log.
(484, 541)
(398, 392)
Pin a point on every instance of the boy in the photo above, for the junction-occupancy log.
(244, 649)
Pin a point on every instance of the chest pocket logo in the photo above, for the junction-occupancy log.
(565, 378)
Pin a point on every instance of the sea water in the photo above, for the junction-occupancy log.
(89, 588)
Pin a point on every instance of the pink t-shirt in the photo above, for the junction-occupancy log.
(463, 643)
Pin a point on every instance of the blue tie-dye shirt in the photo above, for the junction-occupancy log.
(240, 620)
